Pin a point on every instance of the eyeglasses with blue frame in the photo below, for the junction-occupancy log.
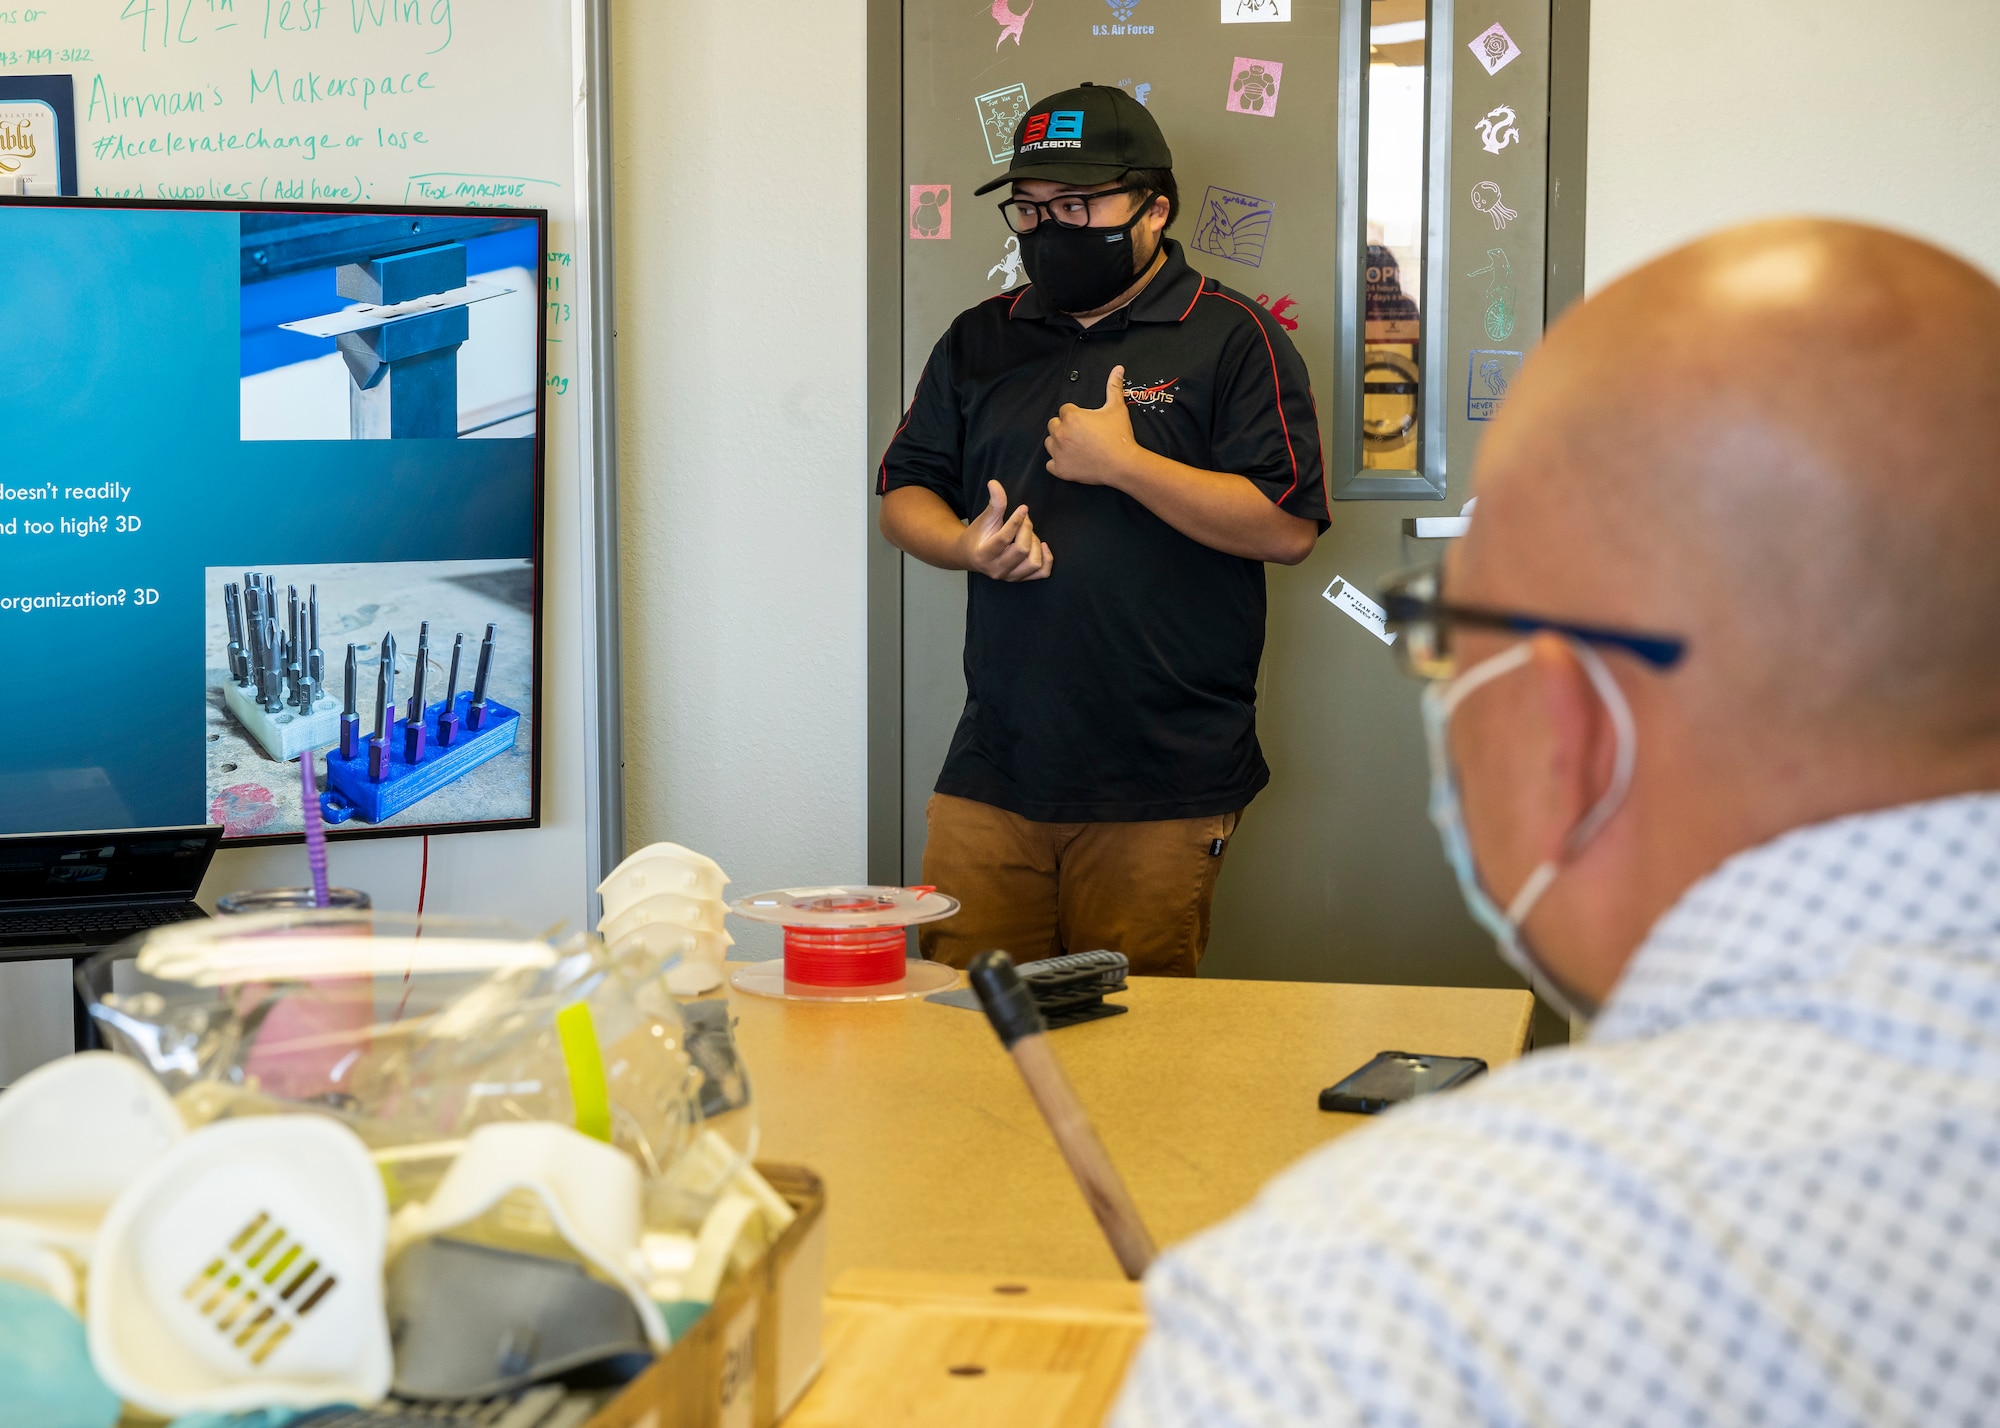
(1414, 607)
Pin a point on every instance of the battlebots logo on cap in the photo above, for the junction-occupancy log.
(1057, 129)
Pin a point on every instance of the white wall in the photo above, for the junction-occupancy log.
(744, 494)
(1705, 113)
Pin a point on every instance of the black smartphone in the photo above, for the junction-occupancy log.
(1394, 1077)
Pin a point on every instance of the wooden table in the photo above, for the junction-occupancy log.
(959, 1352)
(935, 1159)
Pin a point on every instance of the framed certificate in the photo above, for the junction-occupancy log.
(37, 135)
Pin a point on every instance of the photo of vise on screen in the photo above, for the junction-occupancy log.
(273, 483)
(351, 333)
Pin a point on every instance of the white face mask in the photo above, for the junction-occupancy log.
(1439, 703)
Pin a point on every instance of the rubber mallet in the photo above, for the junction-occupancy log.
(1018, 1021)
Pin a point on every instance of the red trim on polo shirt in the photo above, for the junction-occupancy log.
(1276, 388)
(882, 471)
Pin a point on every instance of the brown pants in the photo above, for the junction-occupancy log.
(1042, 889)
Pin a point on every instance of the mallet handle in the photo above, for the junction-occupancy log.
(1017, 1021)
(1103, 1189)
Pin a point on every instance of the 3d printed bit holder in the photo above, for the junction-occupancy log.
(289, 733)
(352, 790)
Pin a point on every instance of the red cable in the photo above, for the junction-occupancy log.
(423, 887)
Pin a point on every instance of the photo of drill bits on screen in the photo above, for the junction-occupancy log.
(412, 682)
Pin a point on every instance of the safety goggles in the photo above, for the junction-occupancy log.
(1415, 609)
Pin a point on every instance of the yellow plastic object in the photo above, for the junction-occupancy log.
(588, 1095)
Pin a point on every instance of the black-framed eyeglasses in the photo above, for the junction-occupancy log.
(1065, 210)
(1414, 608)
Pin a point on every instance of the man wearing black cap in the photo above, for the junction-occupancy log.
(1154, 430)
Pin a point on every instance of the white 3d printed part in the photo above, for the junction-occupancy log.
(587, 1191)
(666, 900)
(701, 954)
(286, 734)
(244, 1270)
(661, 868)
(74, 1134)
(697, 914)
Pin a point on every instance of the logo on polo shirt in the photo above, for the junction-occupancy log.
(1153, 396)
(1056, 129)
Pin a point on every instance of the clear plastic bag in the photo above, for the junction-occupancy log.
(414, 1035)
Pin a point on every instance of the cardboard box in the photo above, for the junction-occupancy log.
(757, 1349)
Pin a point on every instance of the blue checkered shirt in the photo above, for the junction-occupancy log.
(1765, 1191)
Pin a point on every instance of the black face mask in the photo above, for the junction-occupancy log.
(1080, 269)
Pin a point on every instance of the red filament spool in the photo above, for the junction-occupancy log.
(844, 956)
(845, 943)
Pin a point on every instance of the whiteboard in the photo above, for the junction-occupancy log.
(450, 102)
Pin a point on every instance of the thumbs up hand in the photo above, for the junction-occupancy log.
(1094, 447)
(1005, 549)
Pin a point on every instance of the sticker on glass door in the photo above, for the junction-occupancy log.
(1494, 48)
(1253, 87)
(1234, 226)
(1010, 23)
(1487, 383)
(930, 210)
(999, 115)
(1496, 131)
(1487, 198)
(1256, 12)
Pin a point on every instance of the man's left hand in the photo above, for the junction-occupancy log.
(1094, 447)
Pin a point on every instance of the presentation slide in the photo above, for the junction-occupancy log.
(270, 481)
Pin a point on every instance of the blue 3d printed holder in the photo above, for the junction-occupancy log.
(406, 760)
(352, 792)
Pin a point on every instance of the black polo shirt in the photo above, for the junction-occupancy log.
(1124, 686)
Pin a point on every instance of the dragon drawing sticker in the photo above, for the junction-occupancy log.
(1234, 226)
(1280, 309)
(1497, 130)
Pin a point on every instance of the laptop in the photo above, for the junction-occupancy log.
(68, 894)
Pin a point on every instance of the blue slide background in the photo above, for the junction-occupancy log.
(120, 352)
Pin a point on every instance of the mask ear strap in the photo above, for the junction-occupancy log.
(1483, 674)
(1627, 735)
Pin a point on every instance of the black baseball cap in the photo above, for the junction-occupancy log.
(1092, 134)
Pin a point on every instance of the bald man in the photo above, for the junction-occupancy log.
(1715, 718)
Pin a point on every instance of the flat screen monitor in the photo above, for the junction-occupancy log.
(270, 481)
